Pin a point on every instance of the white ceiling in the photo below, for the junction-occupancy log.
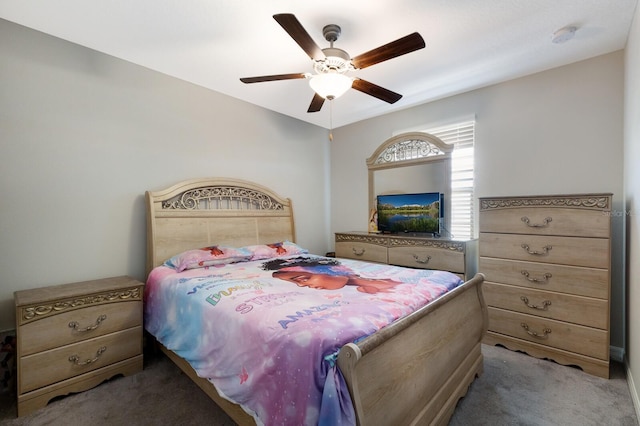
(212, 43)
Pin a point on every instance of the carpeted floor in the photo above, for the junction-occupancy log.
(515, 389)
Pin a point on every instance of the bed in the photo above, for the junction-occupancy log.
(411, 371)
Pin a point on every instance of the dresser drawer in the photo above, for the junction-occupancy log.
(576, 280)
(427, 257)
(563, 307)
(80, 324)
(576, 251)
(546, 221)
(570, 337)
(51, 366)
(361, 251)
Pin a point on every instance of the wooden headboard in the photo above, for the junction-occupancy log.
(202, 212)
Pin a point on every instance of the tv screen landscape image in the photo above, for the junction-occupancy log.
(416, 213)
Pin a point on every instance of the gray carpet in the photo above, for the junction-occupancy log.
(515, 389)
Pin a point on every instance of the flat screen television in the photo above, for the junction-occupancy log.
(419, 213)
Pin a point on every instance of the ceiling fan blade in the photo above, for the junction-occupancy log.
(316, 103)
(271, 78)
(375, 91)
(297, 32)
(406, 44)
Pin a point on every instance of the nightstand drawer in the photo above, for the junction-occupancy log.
(570, 337)
(80, 324)
(51, 366)
(563, 307)
(361, 251)
(427, 257)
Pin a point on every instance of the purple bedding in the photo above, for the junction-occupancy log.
(266, 333)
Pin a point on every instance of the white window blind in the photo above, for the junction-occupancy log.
(461, 136)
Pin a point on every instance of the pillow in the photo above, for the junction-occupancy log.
(268, 251)
(207, 256)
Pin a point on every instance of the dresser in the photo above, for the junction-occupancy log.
(72, 337)
(547, 263)
(457, 256)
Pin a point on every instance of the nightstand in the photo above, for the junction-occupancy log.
(72, 337)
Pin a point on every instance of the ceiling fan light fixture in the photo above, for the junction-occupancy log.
(331, 85)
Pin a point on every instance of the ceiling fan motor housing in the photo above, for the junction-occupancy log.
(337, 60)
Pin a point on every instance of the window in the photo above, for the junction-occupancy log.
(461, 136)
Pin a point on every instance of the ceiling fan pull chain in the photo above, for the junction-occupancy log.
(331, 120)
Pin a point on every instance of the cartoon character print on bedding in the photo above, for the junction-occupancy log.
(272, 344)
(327, 274)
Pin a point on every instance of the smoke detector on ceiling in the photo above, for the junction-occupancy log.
(563, 34)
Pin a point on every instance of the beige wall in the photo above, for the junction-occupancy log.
(555, 132)
(632, 207)
(83, 135)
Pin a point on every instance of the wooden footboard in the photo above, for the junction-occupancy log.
(411, 372)
(415, 370)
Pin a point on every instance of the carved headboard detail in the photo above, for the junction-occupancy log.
(222, 198)
(203, 212)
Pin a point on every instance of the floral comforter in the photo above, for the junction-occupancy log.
(266, 333)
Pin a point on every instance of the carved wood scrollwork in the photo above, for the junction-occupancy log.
(585, 202)
(31, 313)
(222, 198)
(371, 239)
(408, 150)
(388, 241)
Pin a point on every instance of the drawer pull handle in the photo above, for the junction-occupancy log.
(544, 278)
(544, 306)
(423, 261)
(545, 250)
(358, 252)
(76, 326)
(545, 331)
(544, 223)
(76, 359)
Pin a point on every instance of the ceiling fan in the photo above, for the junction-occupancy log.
(331, 64)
